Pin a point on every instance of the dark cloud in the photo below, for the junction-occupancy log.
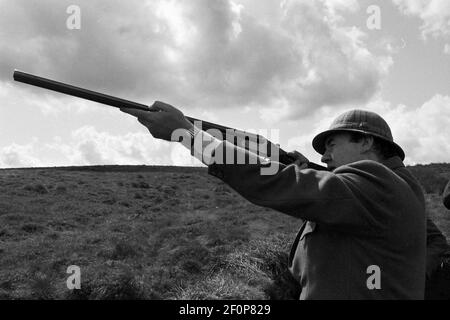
(210, 54)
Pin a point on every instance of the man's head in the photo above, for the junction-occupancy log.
(356, 135)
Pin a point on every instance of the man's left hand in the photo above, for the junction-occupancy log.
(299, 159)
(161, 120)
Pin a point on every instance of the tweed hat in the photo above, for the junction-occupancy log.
(358, 121)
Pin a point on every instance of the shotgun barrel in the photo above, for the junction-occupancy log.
(68, 89)
(76, 91)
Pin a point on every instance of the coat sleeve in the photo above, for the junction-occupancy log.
(344, 199)
(437, 247)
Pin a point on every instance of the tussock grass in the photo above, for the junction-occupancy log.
(37, 188)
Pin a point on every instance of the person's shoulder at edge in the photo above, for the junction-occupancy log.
(446, 196)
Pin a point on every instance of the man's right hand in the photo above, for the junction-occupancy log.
(161, 120)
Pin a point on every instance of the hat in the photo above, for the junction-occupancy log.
(446, 196)
(359, 121)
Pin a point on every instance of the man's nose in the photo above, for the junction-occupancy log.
(325, 158)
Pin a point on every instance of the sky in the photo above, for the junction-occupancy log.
(283, 68)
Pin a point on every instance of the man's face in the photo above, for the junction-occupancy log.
(339, 150)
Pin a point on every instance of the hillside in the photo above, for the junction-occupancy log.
(142, 232)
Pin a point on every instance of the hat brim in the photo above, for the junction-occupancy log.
(318, 142)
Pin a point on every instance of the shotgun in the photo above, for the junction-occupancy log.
(239, 137)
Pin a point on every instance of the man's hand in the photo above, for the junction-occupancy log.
(161, 120)
(300, 159)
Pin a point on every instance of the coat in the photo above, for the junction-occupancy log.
(360, 216)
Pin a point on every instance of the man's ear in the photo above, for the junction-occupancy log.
(367, 143)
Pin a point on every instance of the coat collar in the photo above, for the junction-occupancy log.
(393, 163)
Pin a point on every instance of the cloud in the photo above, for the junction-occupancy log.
(15, 155)
(447, 48)
(339, 6)
(310, 127)
(304, 61)
(88, 146)
(199, 53)
(424, 133)
(435, 15)
(93, 147)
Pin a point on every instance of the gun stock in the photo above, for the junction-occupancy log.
(122, 103)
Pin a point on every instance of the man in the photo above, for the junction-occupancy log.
(364, 231)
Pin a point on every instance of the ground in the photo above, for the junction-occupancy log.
(142, 232)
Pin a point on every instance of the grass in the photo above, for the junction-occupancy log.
(151, 234)
(143, 233)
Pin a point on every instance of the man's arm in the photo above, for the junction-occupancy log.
(339, 201)
(204, 146)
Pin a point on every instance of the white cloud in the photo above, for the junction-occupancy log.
(17, 95)
(447, 48)
(310, 127)
(15, 155)
(423, 132)
(341, 5)
(88, 146)
(199, 53)
(93, 147)
(435, 15)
